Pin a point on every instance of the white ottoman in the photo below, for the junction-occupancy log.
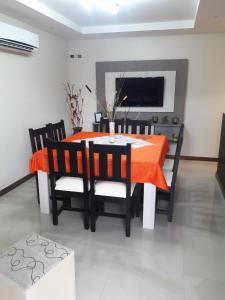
(36, 268)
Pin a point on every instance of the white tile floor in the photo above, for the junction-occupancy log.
(182, 260)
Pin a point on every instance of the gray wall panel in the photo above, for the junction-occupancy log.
(178, 65)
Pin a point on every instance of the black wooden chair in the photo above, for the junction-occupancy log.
(165, 199)
(113, 187)
(57, 131)
(119, 125)
(104, 125)
(38, 139)
(138, 126)
(68, 181)
(169, 162)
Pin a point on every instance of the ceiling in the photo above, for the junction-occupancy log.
(70, 19)
(141, 11)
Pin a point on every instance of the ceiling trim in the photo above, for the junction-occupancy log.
(196, 11)
(138, 27)
(187, 24)
(52, 14)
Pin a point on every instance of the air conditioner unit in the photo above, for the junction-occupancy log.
(15, 39)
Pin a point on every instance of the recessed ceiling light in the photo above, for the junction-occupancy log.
(111, 6)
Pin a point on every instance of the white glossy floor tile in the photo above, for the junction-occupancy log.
(129, 282)
(204, 289)
(183, 260)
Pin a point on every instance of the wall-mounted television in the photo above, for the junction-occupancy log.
(141, 92)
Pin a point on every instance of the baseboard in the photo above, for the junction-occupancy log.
(196, 158)
(199, 158)
(15, 184)
(220, 185)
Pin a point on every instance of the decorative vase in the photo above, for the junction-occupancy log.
(155, 119)
(111, 127)
(165, 120)
(77, 129)
(175, 120)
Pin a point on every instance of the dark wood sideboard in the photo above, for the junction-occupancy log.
(220, 174)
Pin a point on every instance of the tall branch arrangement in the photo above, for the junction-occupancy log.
(110, 109)
(75, 101)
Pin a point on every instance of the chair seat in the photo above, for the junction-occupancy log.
(168, 176)
(70, 184)
(168, 164)
(112, 189)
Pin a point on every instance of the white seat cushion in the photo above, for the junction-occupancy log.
(168, 176)
(168, 164)
(112, 189)
(70, 184)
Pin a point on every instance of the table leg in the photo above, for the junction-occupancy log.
(44, 192)
(149, 206)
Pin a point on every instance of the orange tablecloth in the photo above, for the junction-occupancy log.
(146, 162)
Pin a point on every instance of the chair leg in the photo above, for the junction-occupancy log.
(142, 192)
(37, 187)
(67, 202)
(133, 206)
(100, 207)
(54, 210)
(170, 217)
(93, 216)
(138, 208)
(138, 200)
(170, 208)
(86, 212)
(128, 217)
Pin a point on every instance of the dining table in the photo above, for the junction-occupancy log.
(148, 153)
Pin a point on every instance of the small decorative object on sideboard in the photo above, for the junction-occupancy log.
(175, 120)
(155, 119)
(165, 120)
(75, 101)
(174, 137)
(98, 116)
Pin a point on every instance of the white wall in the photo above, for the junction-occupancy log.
(31, 88)
(205, 101)
(31, 95)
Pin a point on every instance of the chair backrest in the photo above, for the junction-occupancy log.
(178, 147)
(181, 132)
(176, 162)
(163, 129)
(104, 125)
(57, 130)
(67, 159)
(138, 126)
(38, 138)
(108, 160)
(168, 130)
(119, 126)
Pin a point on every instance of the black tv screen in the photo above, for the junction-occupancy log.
(140, 92)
